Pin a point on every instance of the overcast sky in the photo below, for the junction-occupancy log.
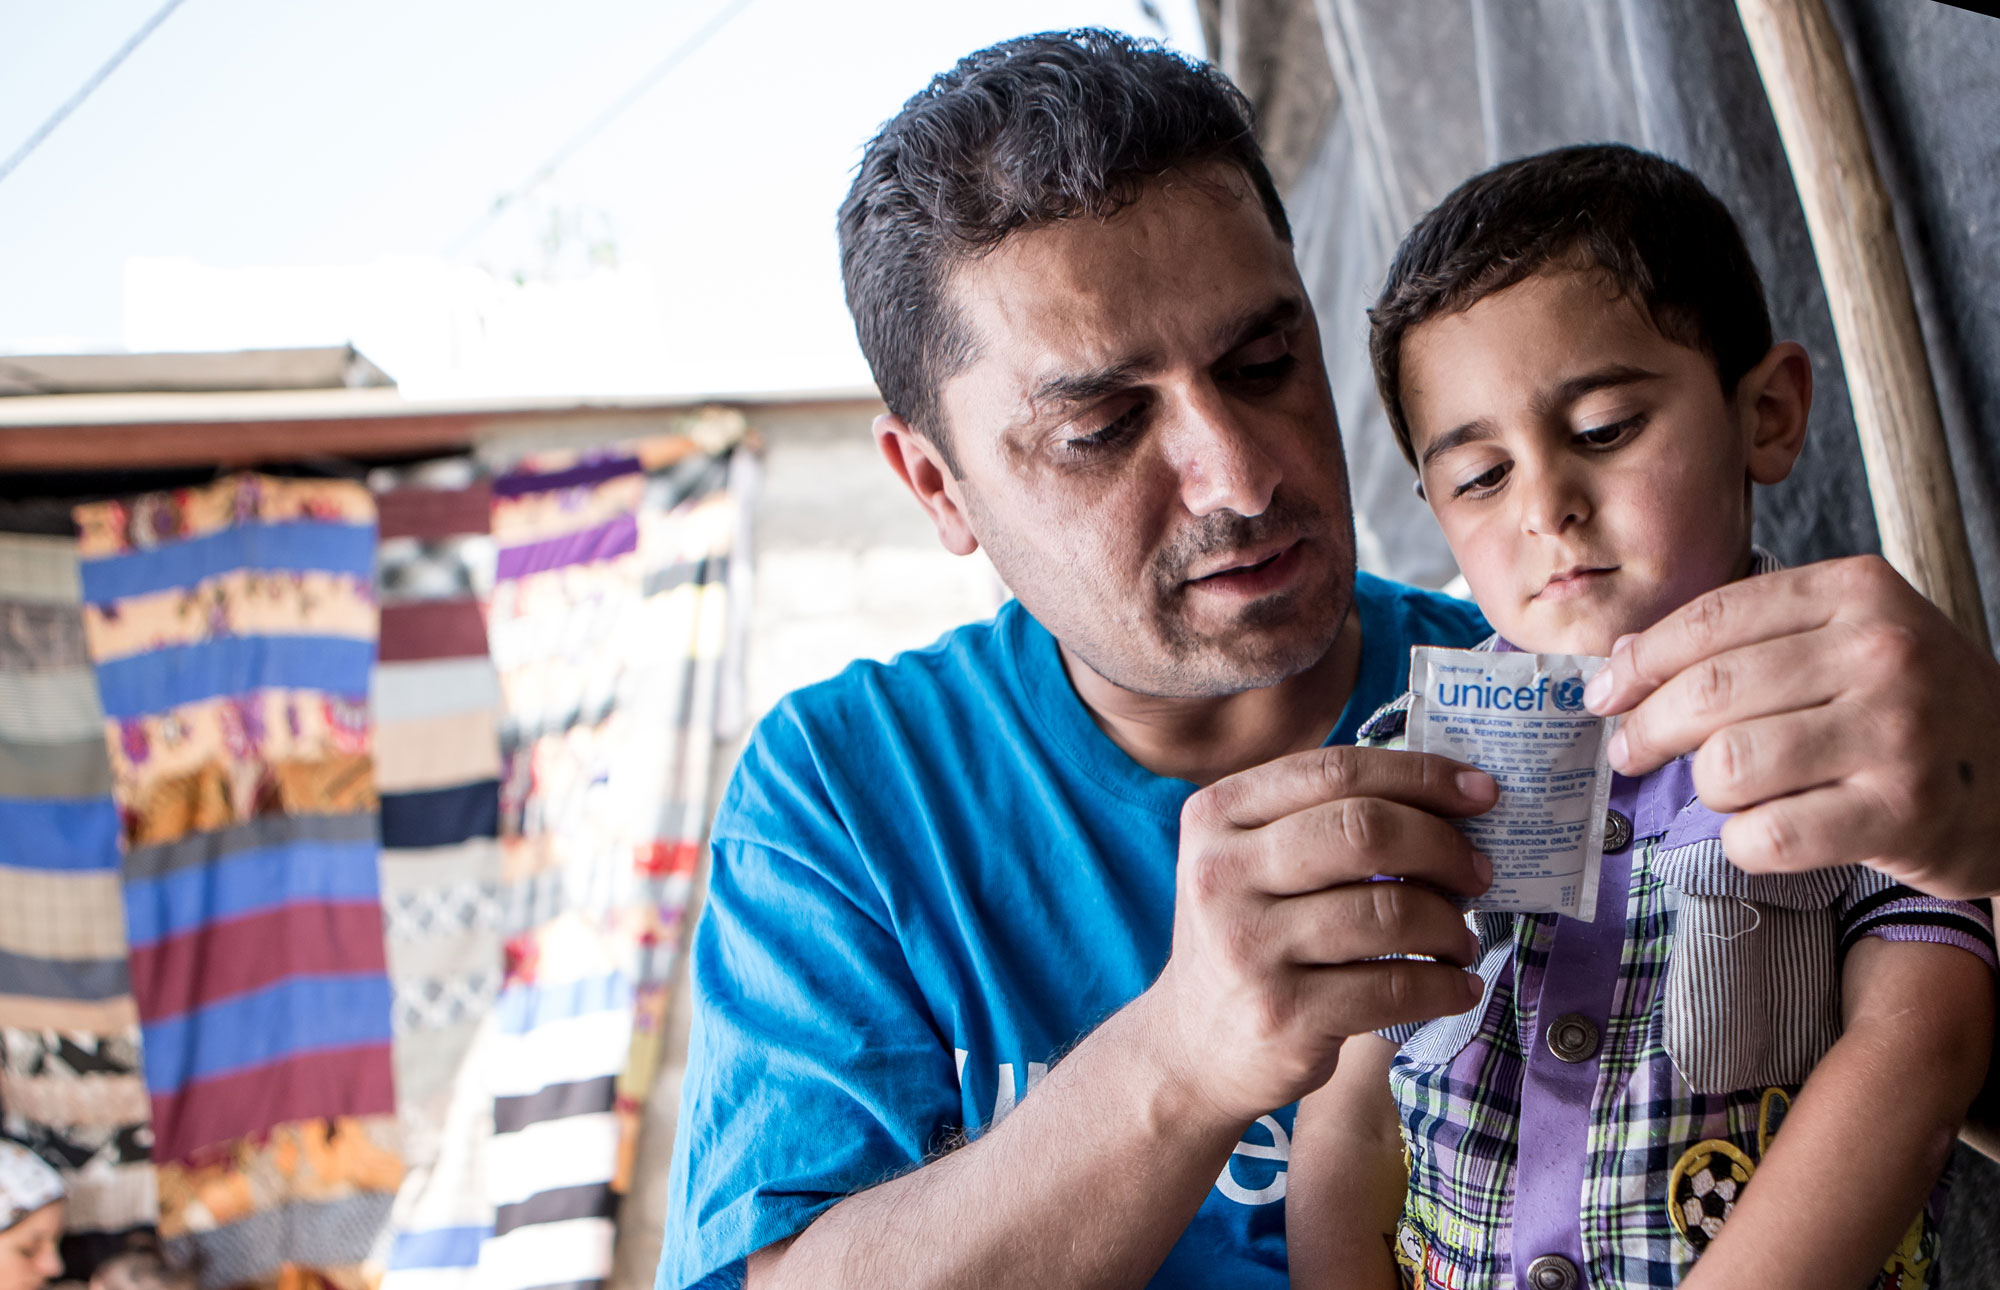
(376, 134)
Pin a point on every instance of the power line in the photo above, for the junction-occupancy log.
(75, 100)
(576, 142)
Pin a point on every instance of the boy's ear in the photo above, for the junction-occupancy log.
(1773, 401)
(921, 467)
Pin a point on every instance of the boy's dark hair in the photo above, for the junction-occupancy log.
(1647, 224)
(1030, 131)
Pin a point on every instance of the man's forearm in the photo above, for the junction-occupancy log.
(1088, 1183)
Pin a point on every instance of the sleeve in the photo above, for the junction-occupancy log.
(814, 1068)
(1875, 905)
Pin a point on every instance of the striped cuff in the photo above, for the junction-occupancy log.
(1905, 914)
(1400, 1035)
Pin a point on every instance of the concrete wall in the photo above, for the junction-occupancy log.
(847, 565)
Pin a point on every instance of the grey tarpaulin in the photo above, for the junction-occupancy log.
(1429, 91)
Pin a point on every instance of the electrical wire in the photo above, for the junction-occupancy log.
(75, 100)
(576, 142)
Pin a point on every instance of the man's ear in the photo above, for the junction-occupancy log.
(921, 467)
(1773, 401)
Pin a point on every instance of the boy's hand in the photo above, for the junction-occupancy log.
(1836, 712)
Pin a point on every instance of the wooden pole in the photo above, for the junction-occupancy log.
(1847, 210)
(1853, 229)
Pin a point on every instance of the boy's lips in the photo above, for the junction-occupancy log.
(1573, 581)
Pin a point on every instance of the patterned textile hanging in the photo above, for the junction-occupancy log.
(345, 838)
(608, 624)
(436, 702)
(70, 1082)
(233, 629)
(437, 747)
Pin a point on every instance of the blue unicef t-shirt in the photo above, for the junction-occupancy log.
(931, 877)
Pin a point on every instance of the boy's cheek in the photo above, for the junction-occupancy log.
(1489, 577)
(1485, 556)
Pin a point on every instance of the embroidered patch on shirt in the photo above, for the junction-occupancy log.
(1707, 1182)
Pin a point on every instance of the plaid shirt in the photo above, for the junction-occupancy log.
(1660, 1162)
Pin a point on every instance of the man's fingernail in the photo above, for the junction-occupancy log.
(1475, 784)
(1473, 951)
(1483, 867)
(1615, 751)
(1475, 989)
(1622, 644)
(1598, 690)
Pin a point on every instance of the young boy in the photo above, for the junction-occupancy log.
(1576, 356)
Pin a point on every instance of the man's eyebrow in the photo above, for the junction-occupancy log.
(1083, 387)
(1458, 437)
(1070, 388)
(1252, 323)
(1603, 378)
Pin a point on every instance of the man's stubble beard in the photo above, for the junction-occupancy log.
(1189, 663)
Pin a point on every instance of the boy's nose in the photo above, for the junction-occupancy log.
(1221, 462)
(1554, 501)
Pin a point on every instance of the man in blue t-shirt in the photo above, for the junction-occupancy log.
(1019, 949)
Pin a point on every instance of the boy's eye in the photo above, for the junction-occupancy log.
(1611, 435)
(1486, 481)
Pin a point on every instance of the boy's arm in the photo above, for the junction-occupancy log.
(1344, 1183)
(1891, 1093)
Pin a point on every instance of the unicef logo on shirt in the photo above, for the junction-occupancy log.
(1569, 694)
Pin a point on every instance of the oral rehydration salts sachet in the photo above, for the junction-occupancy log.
(1520, 718)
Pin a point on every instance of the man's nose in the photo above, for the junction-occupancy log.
(1222, 461)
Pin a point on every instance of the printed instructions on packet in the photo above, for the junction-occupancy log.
(1520, 718)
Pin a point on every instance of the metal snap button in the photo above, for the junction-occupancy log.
(1553, 1272)
(1617, 831)
(1573, 1037)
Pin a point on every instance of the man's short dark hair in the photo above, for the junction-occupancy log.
(1649, 226)
(1030, 131)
